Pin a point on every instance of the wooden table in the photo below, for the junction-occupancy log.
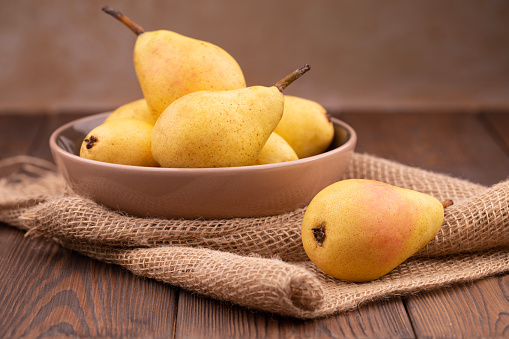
(47, 291)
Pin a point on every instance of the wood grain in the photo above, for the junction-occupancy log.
(474, 310)
(455, 144)
(46, 290)
(498, 124)
(384, 319)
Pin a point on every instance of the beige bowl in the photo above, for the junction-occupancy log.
(248, 191)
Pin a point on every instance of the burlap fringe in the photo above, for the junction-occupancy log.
(259, 262)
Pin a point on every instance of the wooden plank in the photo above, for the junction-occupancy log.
(384, 319)
(475, 310)
(499, 123)
(455, 144)
(40, 147)
(46, 290)
(17, 133)
(29, 134)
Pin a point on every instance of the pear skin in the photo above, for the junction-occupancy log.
(220, 128)
(276, 150)
(217, 129)
(305, 126)
(359, 230)
(137, 109)
(120, 141)
(170, 65)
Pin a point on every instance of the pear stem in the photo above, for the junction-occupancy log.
(137, 29)
(447, 203)
(286, 81)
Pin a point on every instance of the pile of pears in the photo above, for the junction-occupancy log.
(197, 112)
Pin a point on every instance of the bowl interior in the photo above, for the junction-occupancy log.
(70, 136)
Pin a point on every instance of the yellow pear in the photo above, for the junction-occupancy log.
(359, 230)
(137, 109)
(169, 65)
(276, 150)
(120, 141)
(305, 126)
(219, 128)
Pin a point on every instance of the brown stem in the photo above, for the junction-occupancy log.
(286, 81)
(447, 203)
(137, 29)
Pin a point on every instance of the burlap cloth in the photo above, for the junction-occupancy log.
(260, 262)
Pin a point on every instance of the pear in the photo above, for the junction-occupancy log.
(169, 65)
(305, 126)
(120, 141)
(137, 109)
(359, 230)
(276, 150)
(219, 128)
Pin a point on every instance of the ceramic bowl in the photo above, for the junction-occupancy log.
(218, 193)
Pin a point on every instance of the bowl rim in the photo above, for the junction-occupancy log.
(351, 140)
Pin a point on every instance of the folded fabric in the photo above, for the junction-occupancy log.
(260, 262)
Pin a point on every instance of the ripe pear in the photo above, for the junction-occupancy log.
(120, 141)
(137, 109)
(276, 150)
(219, 128)
(359, 230)
(169, 65)
(305, 126)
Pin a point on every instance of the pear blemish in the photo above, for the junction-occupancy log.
(124, 141)
(319, 233)
(90, 142)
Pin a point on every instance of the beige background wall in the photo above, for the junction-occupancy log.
(364, 54)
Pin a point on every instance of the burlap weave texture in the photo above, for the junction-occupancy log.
(260, 262)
